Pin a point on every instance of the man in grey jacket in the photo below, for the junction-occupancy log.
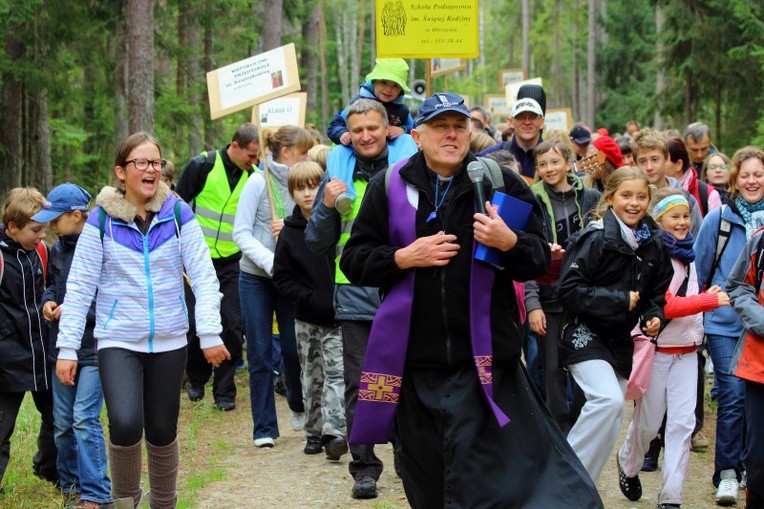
(328, 231)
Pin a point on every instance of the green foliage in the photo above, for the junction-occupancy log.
(714, 66)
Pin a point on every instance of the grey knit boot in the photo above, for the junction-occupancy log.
(163, 475)
(125, 464)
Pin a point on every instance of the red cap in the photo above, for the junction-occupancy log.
(609, 147)
(603, 131)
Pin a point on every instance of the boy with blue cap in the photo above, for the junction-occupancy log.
(78, 434)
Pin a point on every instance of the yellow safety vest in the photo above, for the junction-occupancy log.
(346, 224)
(215, 209)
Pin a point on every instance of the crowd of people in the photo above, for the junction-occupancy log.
(469, 292)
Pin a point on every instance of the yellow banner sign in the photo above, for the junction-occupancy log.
(427, 28)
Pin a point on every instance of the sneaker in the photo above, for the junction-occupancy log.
(726, 493)
(335, 448)
(313, 445)
(364, 488)
(631, 487)
(667, 506)
(343, 204)
(297, 420)
(264, 442)
(195, 392)
(699, 442)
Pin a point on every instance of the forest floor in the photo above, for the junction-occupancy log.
(222, 469)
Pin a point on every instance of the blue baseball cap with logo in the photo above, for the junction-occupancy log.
(441, 103)
(64, 198)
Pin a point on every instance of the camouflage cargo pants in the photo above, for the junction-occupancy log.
(323, 386)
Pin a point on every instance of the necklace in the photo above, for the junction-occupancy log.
(434, 213)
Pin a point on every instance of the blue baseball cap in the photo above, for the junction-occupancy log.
(441, 103)
(64, 198)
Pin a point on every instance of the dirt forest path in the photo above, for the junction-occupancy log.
(233, 474)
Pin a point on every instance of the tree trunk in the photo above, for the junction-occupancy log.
(272, 24)
(40, 171)
(322, 59)
(211, 129)
(342, 59)
(120, 79)
(526, 31)
(309, 57)
(140, 40)
(351, 40)
(11, 103)
(660, 78)
(591, 60)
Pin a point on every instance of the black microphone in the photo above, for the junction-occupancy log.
(475, 173)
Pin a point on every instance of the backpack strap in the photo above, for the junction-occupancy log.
(759, 267)
(703, 190)
(491, 168)
(101, 222)
(722, 239)
(42, 253)
(177, 218)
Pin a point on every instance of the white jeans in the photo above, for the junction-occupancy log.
(596, 430)
(672, 391)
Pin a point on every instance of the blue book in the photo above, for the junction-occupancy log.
(515, 213)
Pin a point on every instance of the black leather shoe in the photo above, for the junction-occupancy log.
(195, 392)
(365, 487)
(313, 446)
(631, 487)
(335, 448)
(226, 405)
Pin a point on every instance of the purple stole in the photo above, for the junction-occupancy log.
(382, 375)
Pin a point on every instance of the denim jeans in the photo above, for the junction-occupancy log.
(730, 416)
(259, 300)
(79, 438)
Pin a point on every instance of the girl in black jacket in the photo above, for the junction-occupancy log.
(615, 275)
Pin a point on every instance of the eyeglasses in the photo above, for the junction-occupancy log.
(143, 164)
(719, 166)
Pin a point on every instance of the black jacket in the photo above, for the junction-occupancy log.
(598, 272)
(302, 277)
(61, 255)
(25, 354)
(440, 335)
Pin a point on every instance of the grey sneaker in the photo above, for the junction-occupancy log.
(726, 493)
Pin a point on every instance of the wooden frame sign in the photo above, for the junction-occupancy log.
(511, 89)
(427, 28)
(507, 76)
(284, 110)
(253, 80)
(558, 118)
(443, 66)
(497, 105)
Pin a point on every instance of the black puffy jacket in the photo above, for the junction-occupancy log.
(25, 353)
